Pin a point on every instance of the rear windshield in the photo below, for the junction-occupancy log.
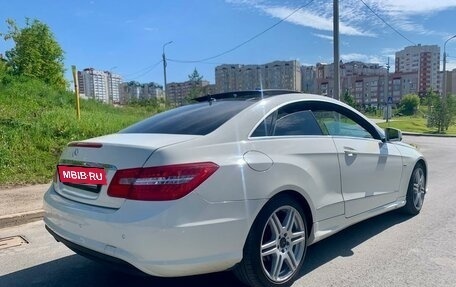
(195, 119)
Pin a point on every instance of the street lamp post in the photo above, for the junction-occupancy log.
(444, 66)
(164, 66)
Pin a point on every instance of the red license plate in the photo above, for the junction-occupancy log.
(79, 174)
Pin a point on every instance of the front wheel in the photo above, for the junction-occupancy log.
(276, 245)
(416, 191)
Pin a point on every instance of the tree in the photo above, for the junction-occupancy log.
(195, 76)
(197, 89)
(350, 100)
(409, 104)
(442, 112)
(36, 53)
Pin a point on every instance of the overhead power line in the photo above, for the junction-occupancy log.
(143, 71)
(245, 42)
(387, 24)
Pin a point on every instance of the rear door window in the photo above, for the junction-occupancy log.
(294, 119)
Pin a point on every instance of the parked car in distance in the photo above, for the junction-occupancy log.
(242, 181)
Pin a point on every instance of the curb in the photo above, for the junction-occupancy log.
(428, 135)
(21, 218)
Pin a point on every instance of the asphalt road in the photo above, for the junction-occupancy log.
(388, 250)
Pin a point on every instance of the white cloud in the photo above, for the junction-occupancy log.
(405, 15)
(309, 19)
(388, 51)
(324, 36)
(362, 58)
(355, 18)
(150, 29)
(415, 7)
(451, 64)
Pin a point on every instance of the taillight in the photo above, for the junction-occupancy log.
(85, 144)
(160, 183)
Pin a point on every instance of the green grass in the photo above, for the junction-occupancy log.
(414, 124)
(36, 123)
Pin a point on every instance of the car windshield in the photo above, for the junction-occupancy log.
(195, 119)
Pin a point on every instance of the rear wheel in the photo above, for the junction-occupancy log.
(276, 245)
(416, 191)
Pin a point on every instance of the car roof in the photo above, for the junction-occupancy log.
(245, 95)
(271, 95)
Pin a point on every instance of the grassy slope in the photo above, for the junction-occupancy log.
(36, 123)
(414, 124)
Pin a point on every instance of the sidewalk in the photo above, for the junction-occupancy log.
(21, 205)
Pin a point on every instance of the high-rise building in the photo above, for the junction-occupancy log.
(274, 75)
(452, 82)
(423, 60)
(99, 85)
(226, 77)
(114, 82)
(309, 76)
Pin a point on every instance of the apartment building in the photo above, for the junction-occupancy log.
(178, 92)
(114, 82)
(423, 60)
(274, 75)
(135, 91)
(401, 84)
(452, 83)
(99, 85)
(308, 76)
(366, 82)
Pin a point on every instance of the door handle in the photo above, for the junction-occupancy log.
(350, 153)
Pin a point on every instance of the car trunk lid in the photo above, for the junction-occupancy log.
(109, 154)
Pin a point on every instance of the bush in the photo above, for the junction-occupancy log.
(409, 104)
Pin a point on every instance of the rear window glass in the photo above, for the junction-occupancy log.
(195, 119)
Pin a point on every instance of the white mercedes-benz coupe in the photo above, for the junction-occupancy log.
(238, 181)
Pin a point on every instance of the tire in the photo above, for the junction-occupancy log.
(416, 191)
(276, 245)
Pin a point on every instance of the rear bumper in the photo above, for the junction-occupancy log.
(93, 255)
(174, 238)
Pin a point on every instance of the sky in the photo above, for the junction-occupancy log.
(127, 37)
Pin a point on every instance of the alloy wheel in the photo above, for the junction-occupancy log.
(283, 244)
(419, 188)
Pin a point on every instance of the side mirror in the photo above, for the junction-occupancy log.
(393, 135)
